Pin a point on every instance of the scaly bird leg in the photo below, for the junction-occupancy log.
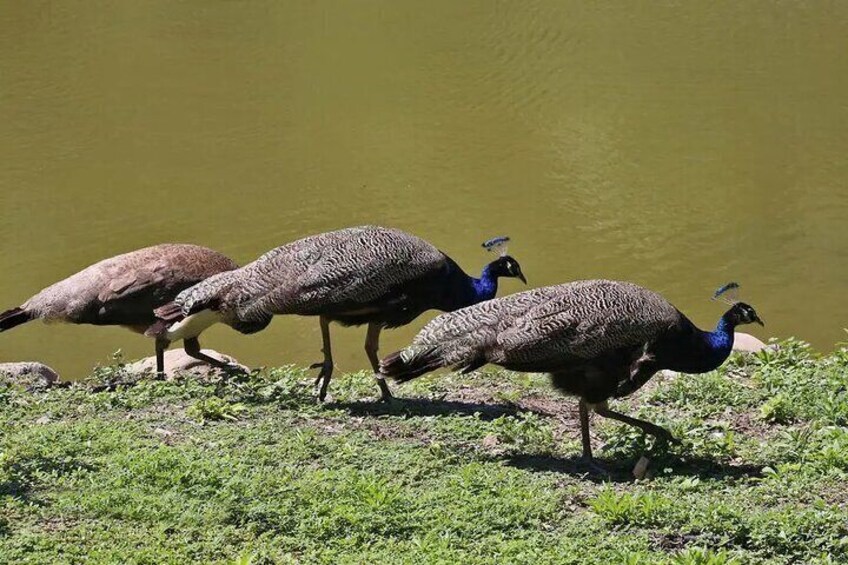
(660, 433)
(161, 346)
(192, 348)
(584, 430)
(587, 440)
(372, 345)
(327, 365)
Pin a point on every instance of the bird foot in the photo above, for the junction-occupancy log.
(323, 377)
(595, 468)
(385, 394)
(323, 372)
(664, 436)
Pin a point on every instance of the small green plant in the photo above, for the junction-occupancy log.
(528, 432)
(124, 475)
(635, 509)
(701, 556)
(777, 410)
(214, 408)
(244, 558)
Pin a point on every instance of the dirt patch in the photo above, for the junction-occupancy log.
(56, 524)
(836, 495)
(750, 425)
(561, 407)
(377, 428)
(671, 541)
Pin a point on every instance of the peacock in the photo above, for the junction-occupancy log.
(598, 339)
(124, 291)
(372, 275)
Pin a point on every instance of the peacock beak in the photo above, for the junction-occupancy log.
(521, 277)
(757, 319)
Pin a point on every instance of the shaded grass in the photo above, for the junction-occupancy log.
(476, 469)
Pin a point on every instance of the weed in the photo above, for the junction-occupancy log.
(460, 475)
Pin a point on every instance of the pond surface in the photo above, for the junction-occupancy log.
(677, 146)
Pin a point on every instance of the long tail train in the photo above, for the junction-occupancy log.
(408, 364)
(14, 317)
(413, 362)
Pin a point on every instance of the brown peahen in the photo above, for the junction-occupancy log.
(124, 290)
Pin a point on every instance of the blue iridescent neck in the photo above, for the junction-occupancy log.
(720, 342)
(486, 287)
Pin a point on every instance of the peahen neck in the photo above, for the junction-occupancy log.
(484, 288)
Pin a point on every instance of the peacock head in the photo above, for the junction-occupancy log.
(742, 313)
(739, 313)
(506, 266)
(503, 266)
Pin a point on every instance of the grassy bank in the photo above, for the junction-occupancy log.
(475, 469)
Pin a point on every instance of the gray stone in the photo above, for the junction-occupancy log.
(28, 374)
(178, 362)
(747, 343)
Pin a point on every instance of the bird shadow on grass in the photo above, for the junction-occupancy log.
(419, 407)
(15, 489)
(22, 483)
(662, 462)
(620, 470)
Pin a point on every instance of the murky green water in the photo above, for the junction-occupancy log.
(678, 145)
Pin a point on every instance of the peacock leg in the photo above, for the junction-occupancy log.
(587, 440)
(660, 433)
(372, 345)
(192, 348)
(327, 365)
(161, 346)
(584, 430)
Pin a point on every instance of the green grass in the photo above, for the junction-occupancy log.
(476, 469)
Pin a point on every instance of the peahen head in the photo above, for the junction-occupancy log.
(506, 266)
(741, 313)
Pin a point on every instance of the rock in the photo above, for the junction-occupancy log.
(178, 362)
(747, 343)
(641, 467)
(490, 441)
(28, 374)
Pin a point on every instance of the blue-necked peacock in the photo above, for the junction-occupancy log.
(370, 275)
(598, 339)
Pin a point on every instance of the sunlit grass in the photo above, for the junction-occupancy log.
(475, 469)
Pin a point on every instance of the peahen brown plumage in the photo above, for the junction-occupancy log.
(598, 339)
(124, 290)
(370, 275)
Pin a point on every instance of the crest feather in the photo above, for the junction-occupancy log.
(496, 245)
(728, 293)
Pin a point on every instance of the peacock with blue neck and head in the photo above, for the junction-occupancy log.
(462, 290)
(693, 350)
(598, 339)
(367, 275)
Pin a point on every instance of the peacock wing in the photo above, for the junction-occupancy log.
(358, 266)
(584, 320)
